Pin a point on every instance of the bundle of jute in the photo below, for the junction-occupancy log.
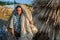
(40, 36)
(47, 16)
(48, 9)
(50, 3)
(5, 12)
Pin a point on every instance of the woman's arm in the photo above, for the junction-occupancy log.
(11, 25)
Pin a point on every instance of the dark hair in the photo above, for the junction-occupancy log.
(18, 7)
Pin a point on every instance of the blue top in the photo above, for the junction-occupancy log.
(16, 22)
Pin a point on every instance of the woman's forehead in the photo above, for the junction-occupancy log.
(19, 8)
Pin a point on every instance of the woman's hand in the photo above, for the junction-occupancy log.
(31, 22)
(13, 31)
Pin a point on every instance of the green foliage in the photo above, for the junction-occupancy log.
(7, 3)
(30, 5)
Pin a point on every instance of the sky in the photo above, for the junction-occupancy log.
(20, 1)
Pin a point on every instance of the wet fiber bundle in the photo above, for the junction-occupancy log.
(49, 10)
(50, 3)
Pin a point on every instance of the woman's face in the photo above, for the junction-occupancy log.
(19, 10)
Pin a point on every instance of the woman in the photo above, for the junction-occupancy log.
(20, 22)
